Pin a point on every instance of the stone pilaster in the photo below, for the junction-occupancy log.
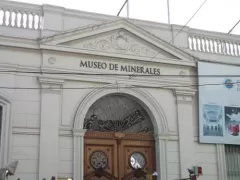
(78, 154)
(51, 95)
(161, 157)
(185, 130)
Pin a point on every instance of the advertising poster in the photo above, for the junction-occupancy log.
(219, 103)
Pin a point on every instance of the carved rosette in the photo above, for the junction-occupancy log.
(120, 42)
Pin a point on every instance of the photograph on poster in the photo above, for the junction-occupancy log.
(213, 120)
(232, 121)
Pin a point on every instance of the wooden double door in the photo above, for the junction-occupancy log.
(119, 156)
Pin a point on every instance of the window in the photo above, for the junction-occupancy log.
(232, 153)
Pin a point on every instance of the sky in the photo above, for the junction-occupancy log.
(215, 15)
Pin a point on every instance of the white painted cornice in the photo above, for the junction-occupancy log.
(117, 55)
(147, 82)
(18, 42)
(58, 79)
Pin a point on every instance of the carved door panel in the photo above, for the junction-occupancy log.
(118, 156)
(137, 154)
(100, 154)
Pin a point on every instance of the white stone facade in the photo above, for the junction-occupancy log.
(42, 125)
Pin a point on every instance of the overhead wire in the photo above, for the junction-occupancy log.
(122, 7)
(113, 74)
(106, 87)
(177, 33)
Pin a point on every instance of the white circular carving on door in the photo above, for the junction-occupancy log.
(98, 159)
(137, 160)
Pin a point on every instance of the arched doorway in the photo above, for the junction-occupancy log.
(119, 142)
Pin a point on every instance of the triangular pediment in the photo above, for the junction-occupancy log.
(118, 38)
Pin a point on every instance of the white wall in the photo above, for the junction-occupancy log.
(25, 149)
(26, 106)
(173, 160)
(206, 157)
(65, 168)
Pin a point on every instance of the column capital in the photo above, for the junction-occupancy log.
(184, 95)
(50, 84)
(79, 132)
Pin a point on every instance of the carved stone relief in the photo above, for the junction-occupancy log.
(121, 42)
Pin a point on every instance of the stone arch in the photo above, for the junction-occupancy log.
(147, 101)
(5, 103)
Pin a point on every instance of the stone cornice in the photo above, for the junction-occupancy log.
(117, 55)
(58, 79)
(18, 42)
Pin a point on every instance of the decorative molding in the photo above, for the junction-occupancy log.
(112, 54)
(166, 83)
(113, 135)
(221, 162)
(81, 33)
(66, 131)
(50, 85)
(51, 60)
(142, 96)
(79, 132)
(5, 142)
(137, 81)
(25, 130)
(184, 96)
(18, 43)
(121, 42)
(182, 73)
